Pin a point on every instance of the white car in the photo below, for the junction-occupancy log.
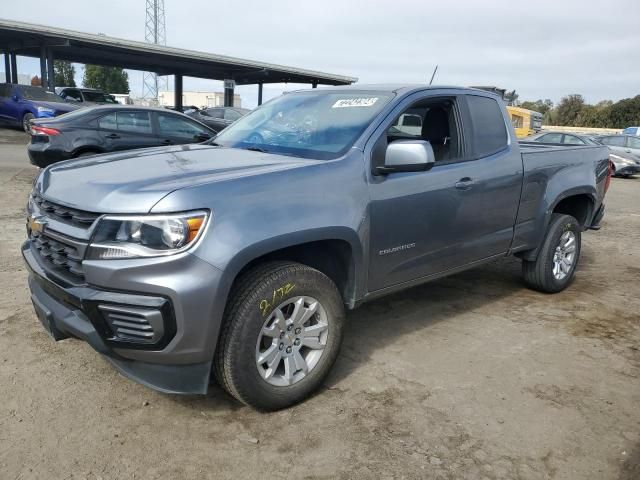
(631, 131)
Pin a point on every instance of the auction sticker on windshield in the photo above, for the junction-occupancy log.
(355, 102)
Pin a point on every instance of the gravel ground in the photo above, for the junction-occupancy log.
(473, 376)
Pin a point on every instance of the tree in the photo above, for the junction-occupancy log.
(592, 116)
(64, 73)
(35, 81)
(511, 98)
(108, 79)
(625, 113)
(569, 110)
(542, 106)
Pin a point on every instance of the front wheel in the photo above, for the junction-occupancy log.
(281, 334)
(557, 260)
(26, 121)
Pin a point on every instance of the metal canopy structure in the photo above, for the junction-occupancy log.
(50, 43)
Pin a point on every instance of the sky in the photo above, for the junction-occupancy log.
(542, 49)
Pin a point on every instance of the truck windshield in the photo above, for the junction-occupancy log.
(98, 97)
(317, 125)
(39, 94)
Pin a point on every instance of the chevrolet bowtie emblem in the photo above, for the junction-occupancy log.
(35, 225)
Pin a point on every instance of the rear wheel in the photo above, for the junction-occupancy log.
(281, 334)
(557, 260)
(26, 121)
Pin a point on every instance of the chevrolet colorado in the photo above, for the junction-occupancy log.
(238, 259)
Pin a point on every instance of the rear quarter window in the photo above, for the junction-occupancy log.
(487, 132)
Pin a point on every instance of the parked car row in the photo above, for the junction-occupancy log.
(111, 128)
(624, 149)
(218, 118)
(106, 126)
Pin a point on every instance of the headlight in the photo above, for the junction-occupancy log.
(135, 236)
(48, 111)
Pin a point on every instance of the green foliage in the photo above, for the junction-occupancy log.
(542, 106)
(108, 79)
(625, 112)
(569, 108)
(511, 97)
(572, 111)
(64, 74)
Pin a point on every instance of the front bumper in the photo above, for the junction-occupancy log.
(628, 170)
(175, 363)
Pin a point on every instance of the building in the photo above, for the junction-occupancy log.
(199, 99)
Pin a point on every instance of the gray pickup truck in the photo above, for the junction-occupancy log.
(238, 259)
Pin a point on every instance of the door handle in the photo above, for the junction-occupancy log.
(464, 183)
(112, 136)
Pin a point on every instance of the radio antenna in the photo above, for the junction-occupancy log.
(433, 74)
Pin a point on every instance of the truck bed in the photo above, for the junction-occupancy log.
(537, 147)
(548, 171)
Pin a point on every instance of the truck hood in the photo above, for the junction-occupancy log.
(134, 181)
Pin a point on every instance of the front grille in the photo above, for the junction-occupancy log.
(59, 257)
(71, 216)
(133, 324)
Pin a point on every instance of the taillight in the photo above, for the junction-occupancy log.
(607, 182)
(38, 130)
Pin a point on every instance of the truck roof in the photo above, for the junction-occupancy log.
(400, 88)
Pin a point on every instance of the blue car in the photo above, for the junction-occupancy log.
(19, 104)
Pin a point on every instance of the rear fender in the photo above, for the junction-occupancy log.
(553, 196)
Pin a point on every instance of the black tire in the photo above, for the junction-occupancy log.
(244, 318)
(538, 274)
(26, 121)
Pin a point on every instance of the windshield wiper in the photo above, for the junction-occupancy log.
(257, 149)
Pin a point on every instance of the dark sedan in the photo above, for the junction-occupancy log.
(108, 129)
(219, 118)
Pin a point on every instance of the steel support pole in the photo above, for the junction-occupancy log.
(228, 96)
(51, 84)
(43, 67)
(7, 67)
(14, 68)
(260, 94)
(177, 91)
(314, 85)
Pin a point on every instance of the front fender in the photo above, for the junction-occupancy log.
(250, 253)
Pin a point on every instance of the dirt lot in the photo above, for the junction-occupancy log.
(473, 376)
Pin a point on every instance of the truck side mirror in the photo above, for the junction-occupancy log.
(407, 156)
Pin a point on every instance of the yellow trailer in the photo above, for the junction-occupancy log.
(525, 122)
